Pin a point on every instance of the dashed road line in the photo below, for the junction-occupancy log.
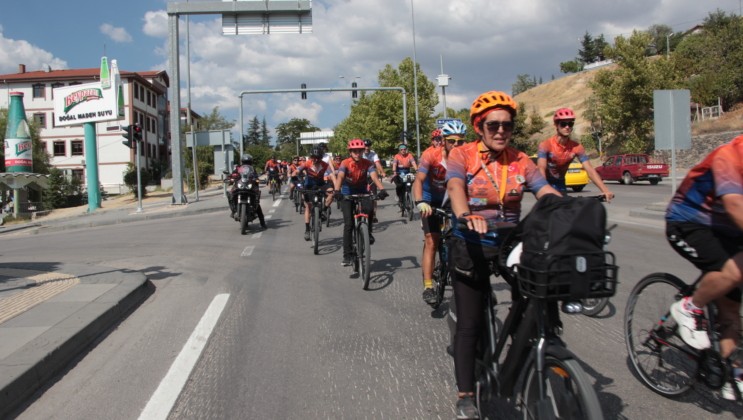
(162, 401)
(248, 251)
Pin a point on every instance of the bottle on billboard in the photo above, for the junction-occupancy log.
(116, 76)
(18, 145)
(105, 74)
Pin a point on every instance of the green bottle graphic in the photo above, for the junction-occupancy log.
(105, 74)
(18, 146)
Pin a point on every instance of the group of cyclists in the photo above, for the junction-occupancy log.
(484, 182)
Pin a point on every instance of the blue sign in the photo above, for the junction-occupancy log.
(441, 121)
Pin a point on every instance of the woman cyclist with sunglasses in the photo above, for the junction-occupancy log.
(557, 152)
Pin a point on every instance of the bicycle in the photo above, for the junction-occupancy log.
(441, 277)
(273, 187)
(360, 238)
(317, 203)
(407, 204)
(553, 385)
(660, 358)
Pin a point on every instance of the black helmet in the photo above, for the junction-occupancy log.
(317, 151)
(367, 143)
(246, 159)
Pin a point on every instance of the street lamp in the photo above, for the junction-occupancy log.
(415, 84)
(668, 45)
(443, 80)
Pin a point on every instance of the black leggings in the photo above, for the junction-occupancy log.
(367, 207)
(469, 296)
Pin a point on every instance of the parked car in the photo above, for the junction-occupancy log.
(628, 168)
(576, 178)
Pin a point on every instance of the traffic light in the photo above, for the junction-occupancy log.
(137, 132)
(354, 93)
(304, 94)
(128, 135)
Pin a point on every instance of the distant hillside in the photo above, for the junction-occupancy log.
(569, 91)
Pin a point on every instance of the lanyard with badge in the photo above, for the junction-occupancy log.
(504, 179)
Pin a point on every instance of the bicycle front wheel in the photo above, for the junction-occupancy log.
(364, 255)
(659, 357)
(440, 280)
(568, 393)
(316, 228)
(409, 204)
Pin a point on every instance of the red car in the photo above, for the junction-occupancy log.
(629, 168)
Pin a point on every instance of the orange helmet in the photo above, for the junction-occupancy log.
(487, 101)
(356, 144)
(564, 114)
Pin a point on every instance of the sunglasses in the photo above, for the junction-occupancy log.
(564, 124)
(496, 125)
(456, 141)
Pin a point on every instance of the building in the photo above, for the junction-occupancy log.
(145, 102)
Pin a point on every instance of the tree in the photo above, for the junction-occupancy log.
(624, 97)
(714, 58)
(215, 121)
(287, 135)
(658, 33)
(587, 53)
(254, 132)
(599, 45)
(378, 116)
(265, 136)
(523, 83)
(571, 66)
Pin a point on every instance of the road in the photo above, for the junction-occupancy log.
(298, 337)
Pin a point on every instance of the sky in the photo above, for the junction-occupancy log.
(482, 44)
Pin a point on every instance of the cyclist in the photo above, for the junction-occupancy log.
(371, 155)
(401, 164)
(246, 165)
(352, 179)
(429, 191)
(436, 140)
(328, 158)
(273, 169)
(704, 223)
(292, 170)
(485, 182)
(315, 170)
(557, 152)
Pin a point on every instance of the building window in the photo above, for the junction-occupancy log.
(136, 90)
(56, 85)
(60, 148)
(39, 90)
(43, 147)
(76, 147)
(40, 119)
(78, 174)
(141, 93)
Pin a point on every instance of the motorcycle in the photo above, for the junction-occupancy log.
(246, 199)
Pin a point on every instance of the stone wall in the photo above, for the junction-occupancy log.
(700, 147)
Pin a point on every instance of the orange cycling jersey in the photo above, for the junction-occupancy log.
(404, 162)
(485, 189)
(316, 172)
(559, 156)
(356, 175)
(434, 167)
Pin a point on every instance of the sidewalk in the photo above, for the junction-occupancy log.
(51, 312)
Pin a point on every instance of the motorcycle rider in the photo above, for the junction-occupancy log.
(246, 166)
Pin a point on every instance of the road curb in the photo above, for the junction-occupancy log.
(31, 367)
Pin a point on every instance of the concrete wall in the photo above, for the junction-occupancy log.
(701, 146)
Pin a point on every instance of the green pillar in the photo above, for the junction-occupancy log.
(91, 164)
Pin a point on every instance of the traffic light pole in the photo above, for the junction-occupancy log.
(139, 180)
(400, 89)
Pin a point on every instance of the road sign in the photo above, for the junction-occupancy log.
(441, 121)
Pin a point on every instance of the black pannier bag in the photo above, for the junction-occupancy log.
(563, 250)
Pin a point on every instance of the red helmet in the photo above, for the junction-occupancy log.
(356, 144)
(436, 134)
(564, 114)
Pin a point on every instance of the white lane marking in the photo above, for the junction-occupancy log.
(256, 235)
(272, 211)
(276, 204)
(248, 251)
(268, 217)
(162, 401)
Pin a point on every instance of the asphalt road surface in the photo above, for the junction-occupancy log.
(270, 330)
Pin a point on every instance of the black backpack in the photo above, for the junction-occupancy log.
(563, 249)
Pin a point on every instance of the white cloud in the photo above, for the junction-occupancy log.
(116, 34)
(156, 24)
(484, 45)
(14, 52)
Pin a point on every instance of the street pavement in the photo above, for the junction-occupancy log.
(51, 313)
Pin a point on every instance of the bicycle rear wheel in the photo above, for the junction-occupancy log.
(594, 306)
(570, 394)
(440, 280)
(364, 254)
(409, 205)
(659, 357)
(316, 222)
